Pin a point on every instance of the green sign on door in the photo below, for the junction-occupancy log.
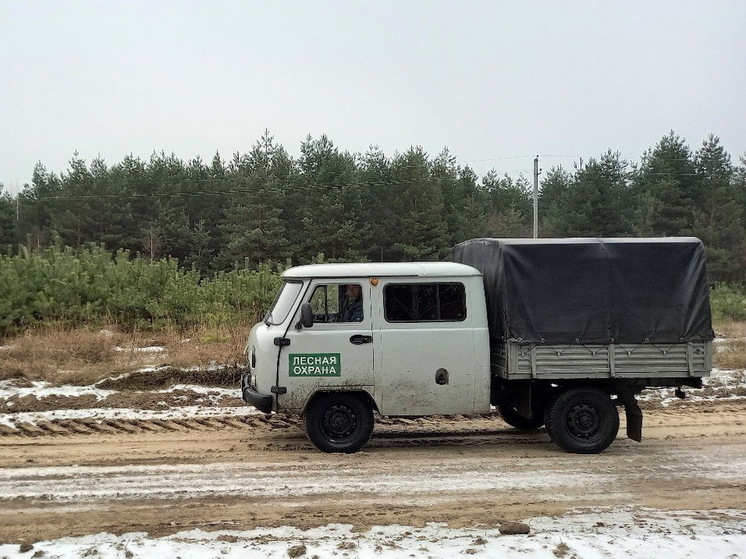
(315, 365)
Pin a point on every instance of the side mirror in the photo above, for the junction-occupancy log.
(306, 315)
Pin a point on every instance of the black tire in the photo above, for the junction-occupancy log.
(339, 422)
(582, 420)
(511, 416)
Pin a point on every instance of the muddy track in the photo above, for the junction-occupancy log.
(91, 426)
(435, 427)
(82, 476)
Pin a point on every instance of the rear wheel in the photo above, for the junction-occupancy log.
(511, 416)
(339, 422)
(582, 420)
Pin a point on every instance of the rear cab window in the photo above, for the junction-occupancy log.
(424, 302)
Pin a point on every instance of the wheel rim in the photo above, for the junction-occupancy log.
(583, 421)
(339, 421)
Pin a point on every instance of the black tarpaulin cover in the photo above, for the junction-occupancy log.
(593, 291)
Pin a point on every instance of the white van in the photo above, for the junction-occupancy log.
(555, 332)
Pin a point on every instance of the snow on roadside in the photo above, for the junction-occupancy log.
(101, 414)
(718, 386)
(719, 381)
(602, 533)
(149, 349)
(199, 389)
(93, 484)
(21, 388)
(721, 385)
(42, 389)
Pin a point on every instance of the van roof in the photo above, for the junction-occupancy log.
(381, 269)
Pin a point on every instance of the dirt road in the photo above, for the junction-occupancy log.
(81, 477)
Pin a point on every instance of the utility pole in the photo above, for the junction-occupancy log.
(536, 196)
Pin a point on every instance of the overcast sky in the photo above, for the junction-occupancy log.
(495, 82)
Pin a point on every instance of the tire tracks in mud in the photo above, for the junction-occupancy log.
(278, 432)
(275, 423)
(90, 426)
(281, 432)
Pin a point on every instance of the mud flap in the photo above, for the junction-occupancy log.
(632, 410)
(523, 400)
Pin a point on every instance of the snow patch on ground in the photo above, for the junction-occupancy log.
(723, 384)
(432, 484)
(150, 349)
(631, 533)
(101, 414)
(41, 389)
(719, 380)
(63, 484)
(21, 388)
(198, 389)
(718, 385)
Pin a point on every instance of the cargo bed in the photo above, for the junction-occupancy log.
(520, 361)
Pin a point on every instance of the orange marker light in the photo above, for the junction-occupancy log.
(374, 281)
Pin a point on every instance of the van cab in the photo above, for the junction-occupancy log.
(342, 341)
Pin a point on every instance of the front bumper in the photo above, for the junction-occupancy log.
(262, 402)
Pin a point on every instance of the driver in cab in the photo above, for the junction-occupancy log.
(353, 308)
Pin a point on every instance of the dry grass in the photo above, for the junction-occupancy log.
(85, 356)
(169, 376)
(730, 329)
(730, 353)
(208, 347)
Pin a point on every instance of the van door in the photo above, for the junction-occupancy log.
(337, 351)
(425, 358)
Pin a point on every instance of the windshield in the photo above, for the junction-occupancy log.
(283, 302)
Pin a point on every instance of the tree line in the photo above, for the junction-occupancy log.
(329, 204)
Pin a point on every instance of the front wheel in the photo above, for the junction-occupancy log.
(339, 422)
(582, 420)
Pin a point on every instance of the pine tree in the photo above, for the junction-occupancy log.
(667, 187)
(510, 210)
(37, 205)
(597, 201)
(739, 187)
(378, 198)
(717, 219)
(7, 219)
(132, 190)
(331, 205)
(254, 228)
(417, 209)
(464, 204)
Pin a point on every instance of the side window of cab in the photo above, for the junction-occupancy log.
(337, 303)
(425, 302)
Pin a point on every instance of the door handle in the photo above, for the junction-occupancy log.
(359, 339)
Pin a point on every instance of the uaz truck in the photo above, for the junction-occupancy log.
(554, 332)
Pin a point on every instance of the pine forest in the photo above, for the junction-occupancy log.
(145, 243)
